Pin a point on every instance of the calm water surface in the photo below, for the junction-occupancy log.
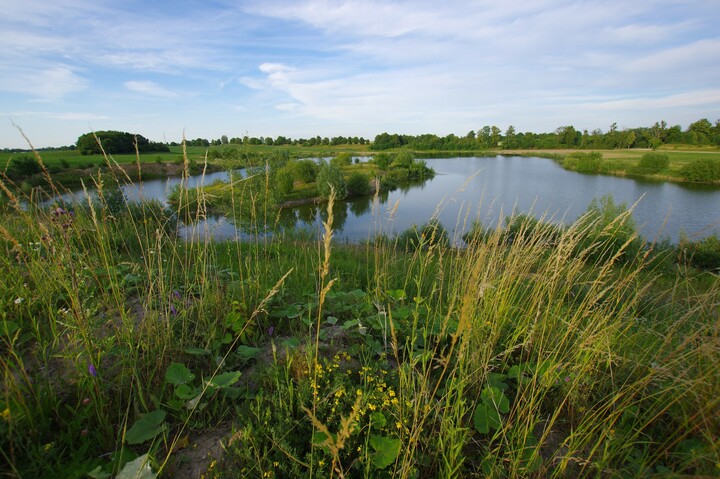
(488, 189)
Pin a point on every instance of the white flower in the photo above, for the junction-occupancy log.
(19, 300)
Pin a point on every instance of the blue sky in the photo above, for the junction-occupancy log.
(302, 68)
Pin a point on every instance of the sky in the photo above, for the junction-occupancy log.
(301, 68)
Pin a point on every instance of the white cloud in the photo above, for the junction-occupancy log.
(149, 88)
(45, 83)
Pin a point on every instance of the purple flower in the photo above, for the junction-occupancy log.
(92, 370)
(271, 330)
(173, 310)
(176, 294)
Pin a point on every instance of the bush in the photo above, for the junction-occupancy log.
(432, 233)
(704, 254)
(343, 159)
(306, 170)
(584, 162)
(382, 160)
(358, 185)
(702, 171)
(654, 162)
(331, 177)
(24, 165)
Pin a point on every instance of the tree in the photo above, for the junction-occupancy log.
(224, 140)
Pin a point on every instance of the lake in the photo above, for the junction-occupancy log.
(488, 189)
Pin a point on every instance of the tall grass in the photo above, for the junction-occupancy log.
(532, 352)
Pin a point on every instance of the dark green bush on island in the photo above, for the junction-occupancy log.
(358, 185)
(654, 162)
(702, 171)
(584, 162)
(330, 177)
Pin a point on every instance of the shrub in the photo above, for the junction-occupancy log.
(358, 185)
(331, 177)
(432, 233)
(703, 254)
(654, 162)
(306, 170)
(24, 165)
(702, 171)
(343, 159)
(584, 162)
(382, 160)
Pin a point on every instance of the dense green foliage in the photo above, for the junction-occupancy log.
(329, 179)
(704, 170)
(116, 142)
(654, 162)
(701, 132)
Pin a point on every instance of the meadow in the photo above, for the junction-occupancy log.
(533, 351)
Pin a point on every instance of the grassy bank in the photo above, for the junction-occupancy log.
(533, 352)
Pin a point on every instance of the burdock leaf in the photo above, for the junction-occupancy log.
(178, 374)
(146, 428)
(386, 450)
(486, 417)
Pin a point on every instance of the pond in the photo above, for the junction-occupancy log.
(488, 189)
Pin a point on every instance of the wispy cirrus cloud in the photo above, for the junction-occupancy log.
(149, 88)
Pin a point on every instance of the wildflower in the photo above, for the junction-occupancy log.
(271, 330)
(92, 370)
(173, 310)
(19, 300)
(6, 414)
(321, 463)
(176, 294)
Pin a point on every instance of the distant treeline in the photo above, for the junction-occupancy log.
(702, 132)
(279, 141)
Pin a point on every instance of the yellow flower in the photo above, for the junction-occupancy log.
(6, 414)
(321, 463)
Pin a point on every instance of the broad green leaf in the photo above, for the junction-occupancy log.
(291, 343)
(178, 374)
(197, 351)
(494, 397)
(396, 294)
(386, 450)
(378, 420)
(486, 417)
(497, 380)
(137, 469)
(146, 428)
(225, 380)
(247, 352)
(184, 391)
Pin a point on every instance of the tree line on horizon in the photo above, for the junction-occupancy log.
(701, 133)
